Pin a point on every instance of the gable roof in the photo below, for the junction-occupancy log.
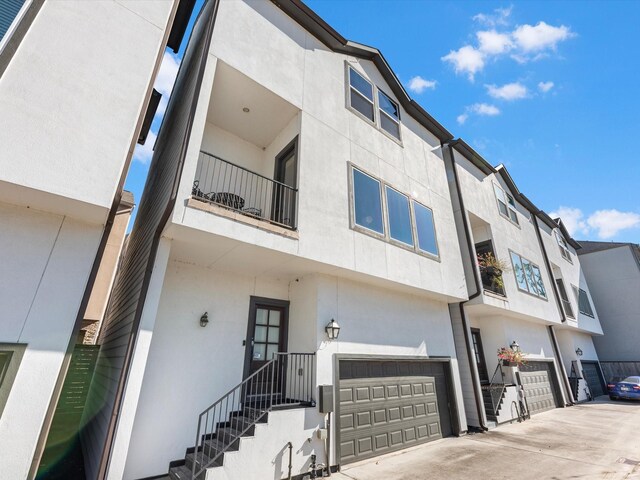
(485, 167)
(320, 29)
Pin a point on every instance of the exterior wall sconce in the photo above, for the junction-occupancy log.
(332, 329)
(579, 351)
(204, 319)
(514, 346)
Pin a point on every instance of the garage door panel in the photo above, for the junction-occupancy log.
(537, 382)
(381, 414)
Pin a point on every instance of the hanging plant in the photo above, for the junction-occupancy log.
(510, 357)
(492, 266)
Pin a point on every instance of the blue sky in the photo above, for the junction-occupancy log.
(547, 88)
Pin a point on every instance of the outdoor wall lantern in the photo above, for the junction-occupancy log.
(204, 319)
(579, 351)
(514, 346)
(332, 329)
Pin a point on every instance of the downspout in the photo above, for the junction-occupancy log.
(552, 334)
(449, 158)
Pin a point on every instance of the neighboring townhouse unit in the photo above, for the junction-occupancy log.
(612, 270)
(282, 204)
(580, 327)
(513, 302)
(75, 82)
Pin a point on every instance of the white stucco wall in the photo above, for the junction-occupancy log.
(480, 201)
(70, 99)
(312, 79)
(46, 260)
(572, 274)
(614, 278)
(208, 362)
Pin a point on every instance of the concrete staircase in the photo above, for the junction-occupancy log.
(226, 439)
(488, 405)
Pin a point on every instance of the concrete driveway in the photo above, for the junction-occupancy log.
(596, 440)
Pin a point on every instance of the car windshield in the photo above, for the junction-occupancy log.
(632, 380)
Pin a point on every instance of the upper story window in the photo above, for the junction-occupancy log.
(584, 305)
(506, 204)
(8, 12)
(361, 95)
(528, 276)
(380, 210)
(564, 248)
(366, 99)
(566, 304)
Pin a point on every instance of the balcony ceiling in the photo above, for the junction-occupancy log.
(232, 92)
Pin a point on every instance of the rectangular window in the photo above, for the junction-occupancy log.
(382, 211)
(528, 276)
(367, 202)
(584, 305)
(425, 229)
(9, 10)
(566, 304)
(564, 248)
(361, 94)
(389, 115)
(10, 358)
(399, 216)
(506, 204)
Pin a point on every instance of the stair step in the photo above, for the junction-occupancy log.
(183, 473)
(213, 446)
(239, 424)
(255, 414)
(202, 460)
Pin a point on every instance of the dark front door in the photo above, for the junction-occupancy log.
(478, 353)
(284, 191)
(266, 333)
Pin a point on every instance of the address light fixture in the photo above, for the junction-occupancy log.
(514, 346)
(332, 329)
(579, 351)
(204, 319)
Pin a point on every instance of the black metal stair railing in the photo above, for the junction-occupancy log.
(236, 188)
(285, 381)
(496, 388)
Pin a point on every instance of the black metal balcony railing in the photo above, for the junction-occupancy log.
(249, 193)
(492, 282)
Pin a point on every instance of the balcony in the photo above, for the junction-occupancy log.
(225, 184)
(492, 280)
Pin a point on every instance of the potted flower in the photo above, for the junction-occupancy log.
(510, 357)
(491, 265)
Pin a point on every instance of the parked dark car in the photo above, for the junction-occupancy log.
(628, 388)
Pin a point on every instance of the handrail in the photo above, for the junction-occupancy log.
(247, 170)
(497, 388)
(249, 193)
(288, 379)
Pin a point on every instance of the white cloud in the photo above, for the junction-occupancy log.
(500, 16)
(480, 109)
(573, 219)
(509, 91)
(545, 86)
(609, 223)
(540, 37)
(524, 43)
(606, 223)
(466, 60)
(418, 84)
(462, 118)
(484, 109)
(494, 43)
(143, 153)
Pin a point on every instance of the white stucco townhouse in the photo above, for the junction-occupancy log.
(294, 186)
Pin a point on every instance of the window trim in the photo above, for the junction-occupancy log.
(386, 237)
(9, 375)
(508, 205)
(376, 107)
(382, 112)
(411, 219)
(562, 288)
(536, 295)
(564, 247)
